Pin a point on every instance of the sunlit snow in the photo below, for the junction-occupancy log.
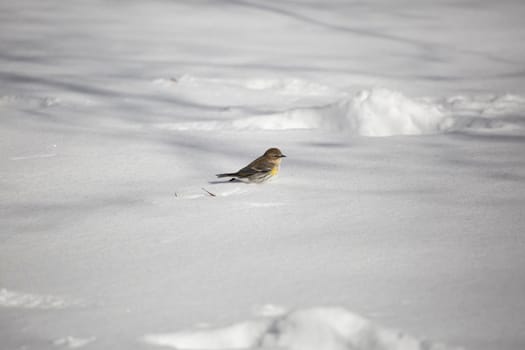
(397, 218)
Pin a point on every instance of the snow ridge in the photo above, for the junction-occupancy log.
(299, 104)
(327, 328)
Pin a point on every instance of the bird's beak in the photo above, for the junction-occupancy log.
(282, 156)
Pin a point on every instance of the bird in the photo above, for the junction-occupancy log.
(261, 169)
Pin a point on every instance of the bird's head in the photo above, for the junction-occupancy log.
(274, 153)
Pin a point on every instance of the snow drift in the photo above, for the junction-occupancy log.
(299, 104)
(382, 112)
(308, 329)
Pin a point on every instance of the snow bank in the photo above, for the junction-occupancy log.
(308, 329)
(300, 104)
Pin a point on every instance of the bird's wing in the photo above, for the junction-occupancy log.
(251, 170)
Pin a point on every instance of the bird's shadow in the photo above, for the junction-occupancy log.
(218, 182)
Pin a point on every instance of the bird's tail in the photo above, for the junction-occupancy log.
(227, 175)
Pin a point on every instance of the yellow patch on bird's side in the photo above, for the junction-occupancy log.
(274, 171)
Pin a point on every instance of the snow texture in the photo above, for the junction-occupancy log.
(12, 299)
(73, 342)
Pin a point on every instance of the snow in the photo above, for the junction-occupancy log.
(13, 299)
(376, 112)
(396, 221)
(318, 328)
(73, 342)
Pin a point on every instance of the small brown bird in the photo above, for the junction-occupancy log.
(261, 169)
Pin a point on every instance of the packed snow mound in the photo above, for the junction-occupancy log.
(381, 112)
(328, 328)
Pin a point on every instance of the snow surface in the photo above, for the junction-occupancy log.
(401, 204)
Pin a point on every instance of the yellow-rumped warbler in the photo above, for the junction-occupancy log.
(261, 169)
